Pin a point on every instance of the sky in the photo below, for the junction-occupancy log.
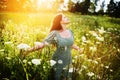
(99, 3)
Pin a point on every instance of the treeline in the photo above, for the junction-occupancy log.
(88, 7)
(85, 7)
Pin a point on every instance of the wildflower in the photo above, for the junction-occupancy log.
(60, 61)
(26, 37)
(84, 67)
(95, 62)
(2, 50)
(8, 42)
(83, 43)
(73, 61)
(115, 29)
(93, 48)
(90, 74)
(110, 29)
(89, 42)
(24, 61)
(98, 76)
(43, 33)
(76, 57)
(55, 38)
(114, 47)
(101, 31)
(10, 21)
(65, 48)
(111, 70)
(99, 58)
(106, 67)
(8, 58)
(23, 46)
(5, 78)
(29, 63)
(52, 62)
(89, 60)
(97, 42)
(82, 55)
(87, 34)
(93, 33)
(36, 61)
(64, 68)
(102, 65)
(44, 67)
(84, 39)
(100, 38)
(71, 70)
(118, 50)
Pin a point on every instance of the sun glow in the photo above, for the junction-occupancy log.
(45, 4)
(39, 2)
(33, 5)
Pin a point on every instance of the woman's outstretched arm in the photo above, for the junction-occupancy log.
(35, 48)
(77, 48)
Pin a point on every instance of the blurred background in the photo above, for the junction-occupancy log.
(96, 7)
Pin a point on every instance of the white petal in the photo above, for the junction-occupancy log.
(36, 61)
(71, 70)
(52, 62)
(60, 61)
(90, 74)
(23, 46)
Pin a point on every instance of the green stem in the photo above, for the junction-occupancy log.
(24, 70)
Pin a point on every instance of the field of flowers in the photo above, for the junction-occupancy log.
(99, 37)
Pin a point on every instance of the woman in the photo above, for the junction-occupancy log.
(63, 39)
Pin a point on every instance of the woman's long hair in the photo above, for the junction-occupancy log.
(56, 25)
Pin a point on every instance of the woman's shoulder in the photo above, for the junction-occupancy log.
(53, 32)
(70, 30)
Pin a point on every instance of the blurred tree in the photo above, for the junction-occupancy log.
(86, 6)
(3, 5)
(71, 6)
(78, 6)
(114, 9)
(118, 10)
(13, 5)
(111, 7)
(83, 6)
(101, 11)
(95, 4)
(92, 8)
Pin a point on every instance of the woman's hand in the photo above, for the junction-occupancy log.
(77, 48)
(26, 52)
(80, 50)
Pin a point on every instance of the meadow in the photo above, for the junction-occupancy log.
(98, 36)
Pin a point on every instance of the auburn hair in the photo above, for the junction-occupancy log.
(56, 25)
